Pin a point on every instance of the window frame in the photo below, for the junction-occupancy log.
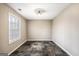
(19, 36)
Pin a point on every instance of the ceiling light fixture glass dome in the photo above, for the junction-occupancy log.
(39, 11)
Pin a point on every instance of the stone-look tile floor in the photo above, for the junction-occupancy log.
(39, 48)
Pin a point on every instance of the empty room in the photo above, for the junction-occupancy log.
(39, 29)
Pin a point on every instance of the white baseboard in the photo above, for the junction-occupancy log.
(39, 40)
(17, 47)
(63, 48)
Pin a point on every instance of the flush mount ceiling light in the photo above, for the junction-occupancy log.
(19, 9)
(39, 11)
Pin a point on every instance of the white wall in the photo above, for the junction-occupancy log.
(65, 30)
(39, 30)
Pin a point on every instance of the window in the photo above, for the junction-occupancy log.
(14, 28)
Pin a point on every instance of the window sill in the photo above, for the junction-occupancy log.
(12, 41)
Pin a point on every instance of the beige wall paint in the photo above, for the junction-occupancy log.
(39, 30)
(3, 29)
(65, 29)
(5, 47)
